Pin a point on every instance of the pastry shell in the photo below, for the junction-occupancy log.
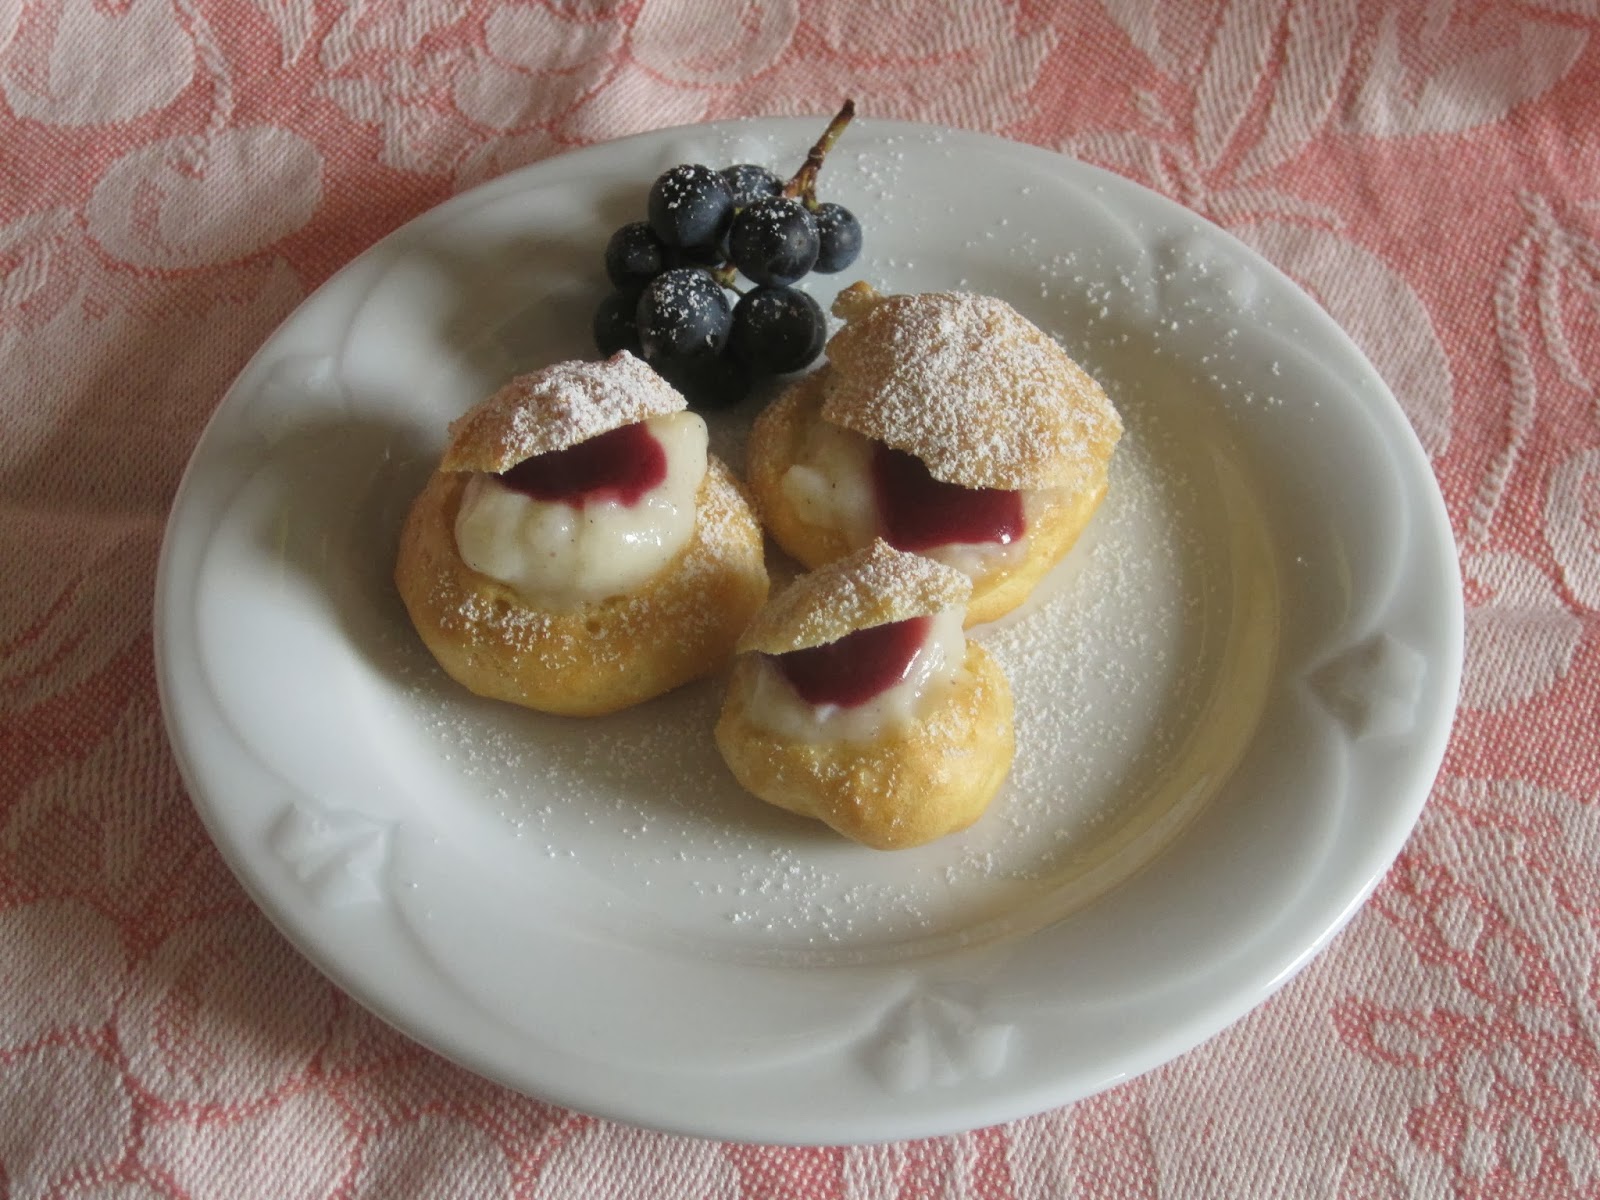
(681, 625)
(908, 786)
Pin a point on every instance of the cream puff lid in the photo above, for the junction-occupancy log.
(980, 394)
(554, 408)
(874, 586)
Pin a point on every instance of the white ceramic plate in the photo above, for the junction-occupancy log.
(1232, 698)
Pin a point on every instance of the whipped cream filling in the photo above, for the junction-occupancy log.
(830, 484)
(938, 662)
(562, 556)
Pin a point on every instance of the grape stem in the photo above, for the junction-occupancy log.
(804, 184)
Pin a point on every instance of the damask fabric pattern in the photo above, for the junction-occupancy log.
(175, 175)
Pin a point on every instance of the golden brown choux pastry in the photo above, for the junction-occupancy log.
(974, 393)
(905, 766)
(566, 656)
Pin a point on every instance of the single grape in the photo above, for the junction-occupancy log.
(777, 330)
(615, 326)
(774, 241)
(750, 182)
(838, 237)
(707, 381)
(682, 313)
(690, 205)
(635, 255)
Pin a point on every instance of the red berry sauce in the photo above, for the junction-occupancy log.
(858, 666)
(918, 512)
(621, 464)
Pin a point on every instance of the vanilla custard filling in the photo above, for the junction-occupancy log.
(563, 556)
(776, 706)
(830, 485)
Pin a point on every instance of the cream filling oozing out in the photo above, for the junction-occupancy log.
(830, 484)
(558, 556)
(938, 662)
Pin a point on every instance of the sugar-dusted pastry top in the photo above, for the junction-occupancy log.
(554, 408)
(967, 384)
(871, 587)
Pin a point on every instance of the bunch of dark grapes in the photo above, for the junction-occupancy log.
(673, 274)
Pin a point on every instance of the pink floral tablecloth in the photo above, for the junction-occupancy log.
(176, 175)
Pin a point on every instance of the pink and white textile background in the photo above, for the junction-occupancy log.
(175, 175)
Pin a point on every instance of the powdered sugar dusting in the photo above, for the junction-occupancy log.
(557, 407)
(873, 586)
(1112, 669)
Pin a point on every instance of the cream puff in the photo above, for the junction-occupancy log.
(578, 550)
(856, 699)
(947, 424)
